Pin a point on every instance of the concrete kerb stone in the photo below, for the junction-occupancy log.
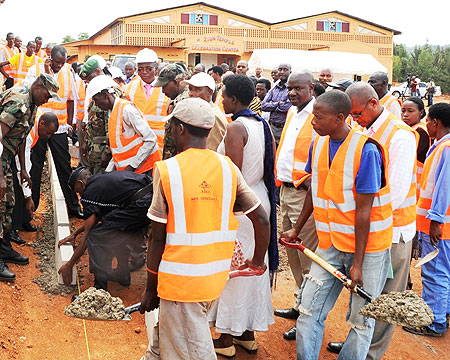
(61, 222)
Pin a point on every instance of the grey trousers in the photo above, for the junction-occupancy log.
(291, 201)
(382, 335)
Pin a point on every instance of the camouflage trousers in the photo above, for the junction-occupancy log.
(97, 149)
(8, 201)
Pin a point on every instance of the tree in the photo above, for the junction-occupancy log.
(67, 39)
(83, 36)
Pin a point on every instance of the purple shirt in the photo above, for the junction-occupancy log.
(271, 103)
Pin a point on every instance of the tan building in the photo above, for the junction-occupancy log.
(212, 35)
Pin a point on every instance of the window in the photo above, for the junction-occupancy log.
(332, 25)
(199, 19)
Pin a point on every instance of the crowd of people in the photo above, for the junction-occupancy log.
(183, 173)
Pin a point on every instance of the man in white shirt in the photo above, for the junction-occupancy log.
(380, 81)
(291, 158)
(372, 116)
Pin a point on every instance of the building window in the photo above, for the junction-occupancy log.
(199, 19)
(332, 25)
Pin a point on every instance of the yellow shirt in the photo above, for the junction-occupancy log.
(28, 60)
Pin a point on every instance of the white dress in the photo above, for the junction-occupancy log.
(245, 302)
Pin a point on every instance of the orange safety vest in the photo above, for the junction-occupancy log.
(34, 133)
(21, 71)
(422, 126)
(197, 255)
(301, 151)
(81, 98)
(123, 149)
(8, 53)
(42, 54)
(334, 196)
(219, 103)
(59, 106)
(388, 99)
(154, 108)
(406, 213)
(427, 190)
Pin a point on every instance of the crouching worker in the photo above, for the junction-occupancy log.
(115, 208)
(350, 197)
(193, 234)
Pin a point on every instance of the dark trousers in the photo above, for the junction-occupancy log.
(20, 215)
(60, 151)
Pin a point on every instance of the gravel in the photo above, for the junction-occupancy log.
(404, 308)
(96, 304)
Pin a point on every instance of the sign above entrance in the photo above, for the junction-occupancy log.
(215, 43)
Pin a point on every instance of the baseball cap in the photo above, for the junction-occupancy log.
(49, 83)
(340, 84)
(194, 111)
(94, 62)
(169, 73)
(200, 80)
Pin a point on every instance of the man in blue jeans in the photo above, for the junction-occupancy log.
(350, 197)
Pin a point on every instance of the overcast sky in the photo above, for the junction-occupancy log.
(418, 21)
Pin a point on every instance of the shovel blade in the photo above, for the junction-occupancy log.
(428, 257)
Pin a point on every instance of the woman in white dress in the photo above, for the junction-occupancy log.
(245, 304)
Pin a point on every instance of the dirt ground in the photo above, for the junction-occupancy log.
(33, 325)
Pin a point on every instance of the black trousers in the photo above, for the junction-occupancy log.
(20, 215)
(60, 151)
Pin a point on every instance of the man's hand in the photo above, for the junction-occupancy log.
(251, 263)
(129, 168)
(25, 178)
(290, 235)
(69, 130)
(150, 301)
(435, 232)
(47, 65)
(66, 272)
(356, 276)
(68, 239)
(29, 206)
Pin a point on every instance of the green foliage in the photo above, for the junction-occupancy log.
(67, 39)
(425, 61)
(81, 36)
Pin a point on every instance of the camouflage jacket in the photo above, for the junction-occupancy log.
(17, 111)
(97, 133)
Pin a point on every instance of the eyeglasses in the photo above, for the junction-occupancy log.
(358, 115)
(146, 69)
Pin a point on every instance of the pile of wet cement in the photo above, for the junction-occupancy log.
(96, 304)
(404, 308)
(44, 246)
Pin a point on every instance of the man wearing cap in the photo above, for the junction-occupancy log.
(93, 133)
(132, 141)
(63, 107)
(170, 80)
(190, 259)
(18, 107)
(149, 99)
(379, 81)
(341, 84)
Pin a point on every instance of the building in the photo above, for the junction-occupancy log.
(212, 35)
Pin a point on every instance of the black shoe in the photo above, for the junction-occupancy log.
(5, 273)
(135, 265)
(77, 214)
(287, 313)
(335, 347)
(448, 320)
(11, 235)
(28, 227)
(12, 256)
(290, 334)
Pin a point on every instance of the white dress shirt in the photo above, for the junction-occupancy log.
(402, 157)
(285, 163)
(134, 123)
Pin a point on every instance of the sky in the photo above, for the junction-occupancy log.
(419, 21)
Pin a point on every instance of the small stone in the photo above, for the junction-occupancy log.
(137, 330)
(23, 338)
(29, 346)
(46, 318)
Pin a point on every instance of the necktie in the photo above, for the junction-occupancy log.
(148, 90)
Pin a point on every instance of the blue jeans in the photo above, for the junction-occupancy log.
(319, 293)
(436, 281)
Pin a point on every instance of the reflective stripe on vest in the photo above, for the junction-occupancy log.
(422, 126)
(81, 99)
(334, 197)
(219, 103)
(427, 190)
(406, 213)
(8, 53)
(21, 71)
(124, 150)
(197, 255)
(59, 107)
(387, 100)
(154, 108)
(301, 150)
(34, 133)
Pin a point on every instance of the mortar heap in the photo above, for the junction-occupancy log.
(96, 304)
(404, 308)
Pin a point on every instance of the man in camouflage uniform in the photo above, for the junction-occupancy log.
(18, 107)
(170, 79)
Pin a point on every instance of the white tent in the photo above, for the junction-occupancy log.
(343, 63)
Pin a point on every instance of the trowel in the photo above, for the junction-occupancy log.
(428, 257)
